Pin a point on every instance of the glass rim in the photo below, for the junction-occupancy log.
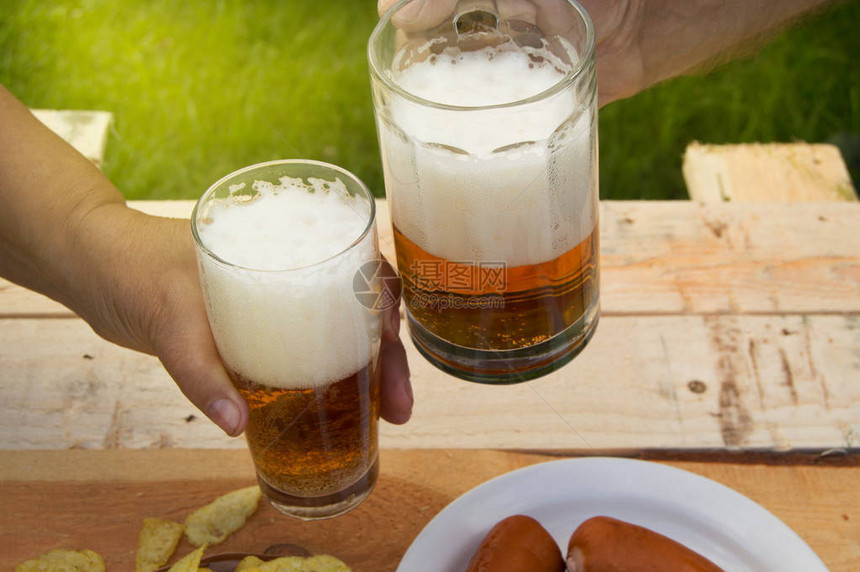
(569, 77)
(371, 218)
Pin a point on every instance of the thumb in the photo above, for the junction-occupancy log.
(192, 360)
(418, 15)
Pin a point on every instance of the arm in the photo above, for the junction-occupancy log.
(642, 42)
(65, 231)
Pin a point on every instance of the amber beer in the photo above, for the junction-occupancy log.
(279, 245)
(492, 307)
(488, 134)
(314, 442)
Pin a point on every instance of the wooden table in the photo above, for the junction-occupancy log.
(729, 345)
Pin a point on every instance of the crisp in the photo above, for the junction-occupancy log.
(319, 563)
(64, 561)
(225, 515)
(156, 542)
(248, 563)
(283, 564)
(325, 563)
(190, 562)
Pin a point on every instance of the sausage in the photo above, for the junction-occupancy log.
(517, 544)
(604, 544)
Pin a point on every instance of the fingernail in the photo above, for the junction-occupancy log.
(390, 326)
(225, 414)
(408, 390)
(394, 322)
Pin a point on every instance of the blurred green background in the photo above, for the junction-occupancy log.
(199, 88)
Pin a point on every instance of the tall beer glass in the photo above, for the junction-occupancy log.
(281, 246)
(487, 122)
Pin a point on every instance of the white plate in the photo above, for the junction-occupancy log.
(715, 521)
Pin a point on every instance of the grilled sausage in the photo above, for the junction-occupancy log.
(517, 544)
(604, 544)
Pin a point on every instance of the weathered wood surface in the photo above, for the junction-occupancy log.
(97, 500)
(725, 326)
(86, 131)
(653, 382)
(766, 172)
(676, 258)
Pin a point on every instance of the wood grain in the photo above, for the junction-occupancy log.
(674, 258)
(777, 383)
(103, 513)
(767, 172)
(724, 327)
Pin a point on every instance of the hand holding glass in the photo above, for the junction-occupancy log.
(280, 246)
(487, 123)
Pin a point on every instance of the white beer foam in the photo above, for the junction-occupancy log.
(284, 311)
(507, 184)
(482, 77)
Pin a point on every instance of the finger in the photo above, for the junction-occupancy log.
(397, 399)
(191, 359)
(418, 15)
(391, 292)
(609, 17)
(391, 323)
(521, 10)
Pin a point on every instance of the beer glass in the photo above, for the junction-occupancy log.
(284, 250)
(486, 114)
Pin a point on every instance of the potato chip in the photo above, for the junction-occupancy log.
(190, 562)
(225, 515)
(325, 563)
(283, 564)
(319, 563)
(248, 563)
(64, 561)
(156, 542)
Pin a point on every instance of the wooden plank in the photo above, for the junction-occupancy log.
(86, 131)
(677, 258)
(778, 383)
(53, 499)
(683, 258)
(766, 172)
(169, 209)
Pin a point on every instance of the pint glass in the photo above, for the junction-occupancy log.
(281, 247)
(487, 121)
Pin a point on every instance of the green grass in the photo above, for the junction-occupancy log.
(803, 86)
(200, 88)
